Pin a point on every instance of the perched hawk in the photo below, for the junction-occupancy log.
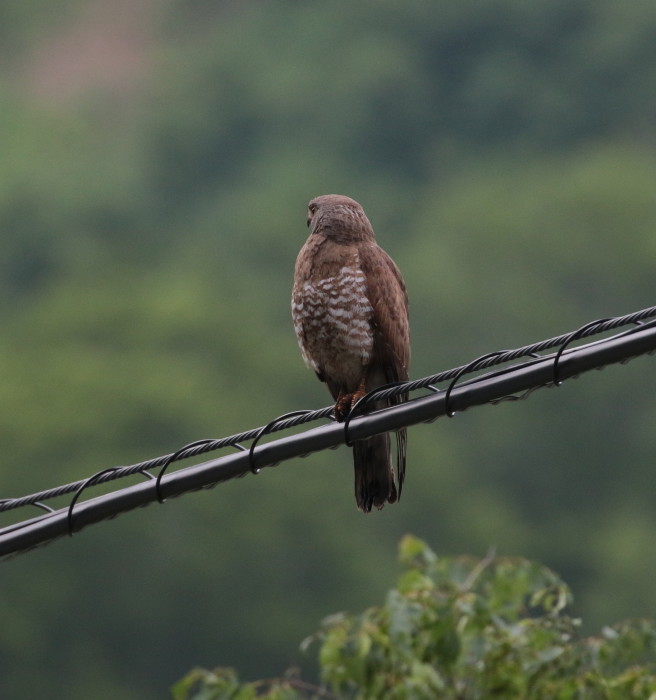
(350, 311)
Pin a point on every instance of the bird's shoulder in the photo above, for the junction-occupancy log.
(389, 301)
(383, 274)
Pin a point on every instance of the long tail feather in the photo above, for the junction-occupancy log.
(374, 478)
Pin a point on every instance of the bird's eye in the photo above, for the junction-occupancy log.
(313, 208)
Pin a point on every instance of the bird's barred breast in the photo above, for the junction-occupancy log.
(332, 319)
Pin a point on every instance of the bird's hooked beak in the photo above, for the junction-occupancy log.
(309, 219)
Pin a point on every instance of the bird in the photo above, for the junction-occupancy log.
(350, 314)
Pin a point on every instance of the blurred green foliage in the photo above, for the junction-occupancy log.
(504, 152)
(461, 628)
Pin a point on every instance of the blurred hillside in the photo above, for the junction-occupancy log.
(157, 160)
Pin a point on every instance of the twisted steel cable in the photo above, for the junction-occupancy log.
(203, 447)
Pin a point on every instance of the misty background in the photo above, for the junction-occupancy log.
(157, 157)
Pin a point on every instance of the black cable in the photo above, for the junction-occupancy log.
(204, 446)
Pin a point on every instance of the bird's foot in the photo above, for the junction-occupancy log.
(345, 403)
(343, 406)
(357, 395)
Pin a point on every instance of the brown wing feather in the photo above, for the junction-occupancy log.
(389, 300)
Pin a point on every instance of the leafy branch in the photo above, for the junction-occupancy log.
(460, 628)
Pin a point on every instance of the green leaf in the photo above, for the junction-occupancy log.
(413, 552)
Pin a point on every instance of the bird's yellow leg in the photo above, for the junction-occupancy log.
(361, 390)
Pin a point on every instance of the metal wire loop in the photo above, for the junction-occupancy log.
(174, 456)
(353, 411)
(464, 370)
(361, 403)
(570, 338)
(87, 482)
(267, 429)
(146, 474)
(36, 504)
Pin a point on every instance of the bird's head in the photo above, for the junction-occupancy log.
(338, 217)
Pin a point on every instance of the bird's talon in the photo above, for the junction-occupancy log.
(343, 406)
(357, 396)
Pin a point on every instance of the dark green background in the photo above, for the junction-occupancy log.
(157, 158)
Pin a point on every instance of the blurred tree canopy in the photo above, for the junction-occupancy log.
(157, 159)
(460, 628)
